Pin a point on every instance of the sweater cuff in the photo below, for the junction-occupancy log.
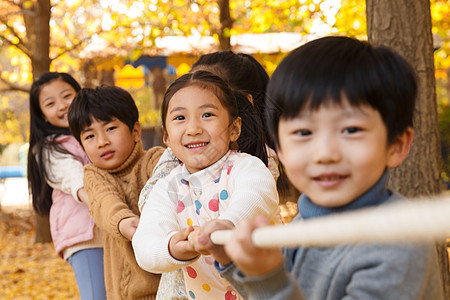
(115, 220)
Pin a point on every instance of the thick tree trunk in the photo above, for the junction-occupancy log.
(405, 26)
(40, 62)
(225, 25)
(42, 230)
(38, 42)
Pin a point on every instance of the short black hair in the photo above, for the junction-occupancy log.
(325, 70)
(102, 103)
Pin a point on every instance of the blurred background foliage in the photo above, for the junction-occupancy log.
(93, 39)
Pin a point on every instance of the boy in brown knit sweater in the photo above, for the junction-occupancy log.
(105, 121)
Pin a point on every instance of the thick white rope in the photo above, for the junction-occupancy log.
(408, 221)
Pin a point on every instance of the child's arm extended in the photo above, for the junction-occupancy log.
(158, 228)
(108, 206)
(260, 273)
(66, 174)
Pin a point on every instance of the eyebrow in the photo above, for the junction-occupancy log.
(88, 128)
(180, 108)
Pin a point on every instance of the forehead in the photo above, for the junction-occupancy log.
(55, 87)
(193, 97)
(94, 122)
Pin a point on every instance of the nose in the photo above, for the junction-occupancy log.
(193, 127)
(326, 149)
(102, 140)
(63, 104)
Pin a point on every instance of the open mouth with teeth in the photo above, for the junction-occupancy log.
(197, 145)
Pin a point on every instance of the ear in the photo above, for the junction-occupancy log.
(399, 149)
(165, 137)
(235, 129)
(137, 132)
(279, 155)
(250, 98)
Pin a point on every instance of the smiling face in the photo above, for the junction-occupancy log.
(198, 128)
(55, 98)
(338, 152)
(109, 144)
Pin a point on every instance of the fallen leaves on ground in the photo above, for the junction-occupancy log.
(288, 211)
(34, 271)
(29, 270)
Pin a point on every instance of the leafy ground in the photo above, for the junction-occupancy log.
(29, 270)
(34, 271)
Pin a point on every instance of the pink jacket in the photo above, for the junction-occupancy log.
(70, 222)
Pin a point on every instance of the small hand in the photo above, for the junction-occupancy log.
(128, 226)
(251, 260)
(180, 247)
(202, 242)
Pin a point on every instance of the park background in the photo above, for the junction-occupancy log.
(120, 42)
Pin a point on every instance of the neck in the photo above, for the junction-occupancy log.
(376, 195)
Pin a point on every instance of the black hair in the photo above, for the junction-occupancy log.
(242, 72)
(42, 135)
(325, 70)
(102, 103)
(251, 139)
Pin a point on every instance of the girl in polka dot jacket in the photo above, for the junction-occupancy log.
(222, 179)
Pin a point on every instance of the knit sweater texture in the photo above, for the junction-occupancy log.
(369, 271)
(113, 197)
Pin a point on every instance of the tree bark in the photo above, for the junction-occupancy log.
(38, 44)
(43, 234)
(40, 62)
(225, 25)
(405, 26)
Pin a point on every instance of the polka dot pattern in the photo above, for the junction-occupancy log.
(180, 206)
(223, 195)
(213, 204)
(191, 272)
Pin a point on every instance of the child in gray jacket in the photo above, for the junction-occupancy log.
(341, 113)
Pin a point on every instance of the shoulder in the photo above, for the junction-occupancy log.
(92, 172)
(243, 161)
(150, 159)
(153, 154)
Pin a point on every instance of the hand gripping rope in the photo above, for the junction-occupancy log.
(417, 220)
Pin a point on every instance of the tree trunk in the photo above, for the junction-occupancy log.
(40, 62)
(38, 43)
(225, 25)
(43, 234)
(405, 26)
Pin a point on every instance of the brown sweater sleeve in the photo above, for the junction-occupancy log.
(107, 200)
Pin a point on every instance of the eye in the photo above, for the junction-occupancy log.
(49, 104)
(179, 118)
(111, 128)
(89, 136)
(303, 132)
(350, 130)
(207, 115)
(68, 96)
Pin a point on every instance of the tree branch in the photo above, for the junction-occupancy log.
(19, 46)
(13, 86)
(71, 48)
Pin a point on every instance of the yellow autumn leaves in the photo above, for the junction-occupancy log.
(28, 270)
